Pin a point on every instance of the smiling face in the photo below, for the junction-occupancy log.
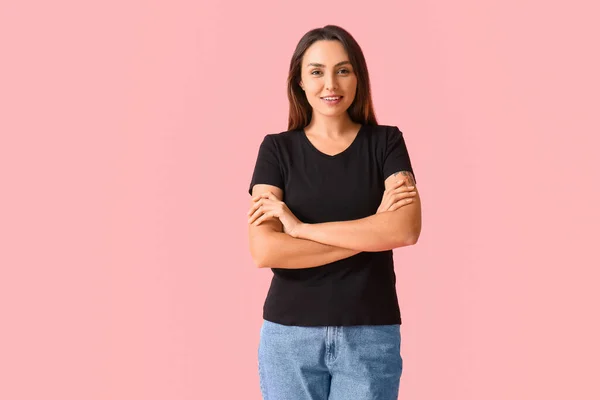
(328, 78)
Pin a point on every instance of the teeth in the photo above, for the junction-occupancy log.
(331, 98)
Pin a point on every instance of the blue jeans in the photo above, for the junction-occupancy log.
(360, 362)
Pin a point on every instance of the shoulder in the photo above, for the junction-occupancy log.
(282, 140)
(383, 136)
(382, 132)
(284, 136)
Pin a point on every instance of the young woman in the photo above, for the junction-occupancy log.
(332, 196)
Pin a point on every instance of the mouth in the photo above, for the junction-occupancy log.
(332, 100)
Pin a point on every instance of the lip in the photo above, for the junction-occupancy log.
(333, 95)
(333, 103)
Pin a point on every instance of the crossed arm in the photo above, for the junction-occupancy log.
(319, 244)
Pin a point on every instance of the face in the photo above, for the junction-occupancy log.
(326, 71)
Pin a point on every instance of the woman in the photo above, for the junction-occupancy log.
(332, 196)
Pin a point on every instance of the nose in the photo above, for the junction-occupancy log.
(330, 82)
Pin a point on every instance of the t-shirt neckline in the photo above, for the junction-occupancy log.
(307, 140)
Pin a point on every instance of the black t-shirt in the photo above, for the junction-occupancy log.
(359, 290)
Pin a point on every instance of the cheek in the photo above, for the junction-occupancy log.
(351, 85)
(351, 90)
(313, 88)
(313, 95)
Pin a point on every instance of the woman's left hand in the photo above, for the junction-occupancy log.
(266, 205)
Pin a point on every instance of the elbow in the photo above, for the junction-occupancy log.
(260, 264)
(259, 250)
(255, 253)
(407, 230)
(258, 258)
(257, 261)
(407, 239)
(263, 249)
(413, 237)
(412, 240)
(404, 243)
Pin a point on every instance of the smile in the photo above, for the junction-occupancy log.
(333, 100)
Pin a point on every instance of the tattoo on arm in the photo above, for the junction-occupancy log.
(408, 176)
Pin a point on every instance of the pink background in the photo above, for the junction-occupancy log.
(129, 131)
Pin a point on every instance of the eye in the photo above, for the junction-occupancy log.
(344, 70)
(313, 72)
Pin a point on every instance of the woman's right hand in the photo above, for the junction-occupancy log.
(397, 196)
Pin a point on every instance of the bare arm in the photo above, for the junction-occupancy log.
(271, 248)
(379, 232)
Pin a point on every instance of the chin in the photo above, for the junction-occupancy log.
(334, 113)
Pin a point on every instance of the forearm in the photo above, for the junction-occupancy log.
(379, 232)
(280, 250)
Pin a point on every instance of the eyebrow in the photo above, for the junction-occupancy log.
(321, 65)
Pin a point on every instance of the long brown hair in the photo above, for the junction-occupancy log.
(361, 110)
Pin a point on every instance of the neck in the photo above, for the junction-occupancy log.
(331, 127)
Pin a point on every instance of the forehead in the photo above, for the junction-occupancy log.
(327, 52)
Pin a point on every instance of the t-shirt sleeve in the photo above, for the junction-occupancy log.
(267, 169)
(396, 155)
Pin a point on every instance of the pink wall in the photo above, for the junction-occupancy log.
(129, 131)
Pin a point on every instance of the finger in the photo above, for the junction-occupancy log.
(262, 218)
(260, 203)
(400, 203)
(396, 206)
(268, 195)
(260, 196)
(385, 205)
(404, 189)
(402, 196)
(255, 215)
(251, 210)
(386, 199)
(264, 209)
(254, 207)
(395, 185)
(399, 182)
(271, 197)
(261, 209)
